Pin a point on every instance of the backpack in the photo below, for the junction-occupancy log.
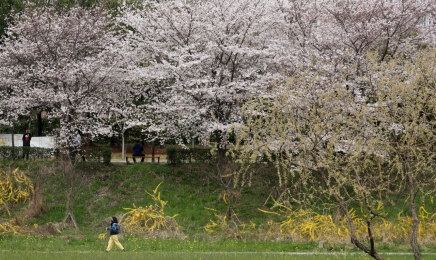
(115, 228)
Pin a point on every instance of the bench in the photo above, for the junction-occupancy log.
(134, 158)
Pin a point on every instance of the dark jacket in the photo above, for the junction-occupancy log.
(137, 149)
(26, 139)
(114, 229)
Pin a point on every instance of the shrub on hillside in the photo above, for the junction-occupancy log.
(151, 219)
(177, 156)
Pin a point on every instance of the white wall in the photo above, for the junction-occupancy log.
(41, 141)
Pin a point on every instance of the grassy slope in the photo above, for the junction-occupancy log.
(103, 191)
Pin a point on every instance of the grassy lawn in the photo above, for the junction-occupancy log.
(76, 255)
(67, 247)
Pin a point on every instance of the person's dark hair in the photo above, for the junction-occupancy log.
(138, 141)
(114, 220)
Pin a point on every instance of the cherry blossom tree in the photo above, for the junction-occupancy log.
(201, 60)
(354, 27)
(338, 34)
(9, 7)
(125, 116)
(10, 111)
(70, 62)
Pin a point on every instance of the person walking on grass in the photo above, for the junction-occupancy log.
(114, 230)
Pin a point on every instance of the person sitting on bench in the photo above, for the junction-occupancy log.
(137, 151)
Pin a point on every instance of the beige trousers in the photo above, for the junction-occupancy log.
(114, 239)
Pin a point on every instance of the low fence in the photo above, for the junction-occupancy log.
(9, 152)
(37, 141)
(41, 147)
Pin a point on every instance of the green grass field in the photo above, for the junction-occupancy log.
(190, 191)
(48, 248)
(80, 255)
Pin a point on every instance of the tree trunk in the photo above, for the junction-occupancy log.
(152, 150)
(39, 121)
(13, 142)
(72, 151)
(415, 219)
(370, 251)
(221, 151)
(66, 141)
(73, 180)
(123, 148)
(414, 242)
(69, 212)
(13, 137)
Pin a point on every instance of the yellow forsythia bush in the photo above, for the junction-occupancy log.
(307, 225)
(150, 219)
(15, 187)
